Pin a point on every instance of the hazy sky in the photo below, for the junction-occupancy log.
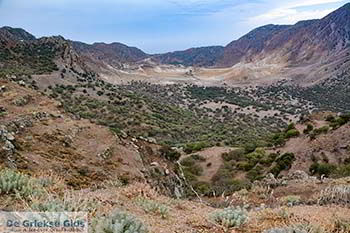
(157, 25)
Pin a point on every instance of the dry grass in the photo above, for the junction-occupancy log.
(338, 194)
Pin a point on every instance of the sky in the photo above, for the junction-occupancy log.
(157, 26)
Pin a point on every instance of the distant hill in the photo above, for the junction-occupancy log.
(110, 53)
(204, 56)
(314, 49)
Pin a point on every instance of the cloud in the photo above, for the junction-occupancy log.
(157, 25)
(294, 11)
(289, 16)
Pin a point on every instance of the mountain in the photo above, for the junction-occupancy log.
(14, 34)
(249, 45)
(306, 52)
(204, 56)
(301, 43)
(113, 54)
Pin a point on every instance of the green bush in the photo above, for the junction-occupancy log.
(150, 206)
(308, 129)
(233, 155)
(278, 139)
(290, 127)
(344, 170)
(169, 153)
(69, 203)
(195, 169)
(322, 169)
(230, 217)
(299, 228)
(284, 162)
(13, 182)
(198, 158)
(188, 162)
(292, 133)
(322, 130)
(249, 147)
(118, 222)
(193, 147)
(203, 188)
(255, 173)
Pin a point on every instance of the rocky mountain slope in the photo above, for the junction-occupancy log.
(180, 157)
(205, 56)
(306, 53)
(114, 54)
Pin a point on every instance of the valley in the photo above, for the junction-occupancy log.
(249, 137)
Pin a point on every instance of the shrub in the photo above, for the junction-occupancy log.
(322, 169)
(230, 217)
(195, 169)
(342, 225)
(299, 228)
(69, 203)
(13, 182)
(341, 120)
(202, 187)
(269, 159)
(249, 147)
(290, 127)
(224, 183)
(284, 162)
(291, 200)
(169, 153)
(292, 133)
(150, 206)
(338, 194)
(233, 155)
(323, 129)
(255, 173)
(193, 147)
(198, 157)
(308, 129)
(188, 162)
(344, 170)
(118, 222)
(278, 139)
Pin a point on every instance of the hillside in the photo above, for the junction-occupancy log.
(79, 165)
(306, 54)
(253, 137)
(205, 56)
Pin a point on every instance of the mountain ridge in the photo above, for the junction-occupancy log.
(307, 51)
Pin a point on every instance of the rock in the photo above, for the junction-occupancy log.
(67, 140)
(270, 180)
(21, 101)
(106, 153)
(155, 164)
(40, 115)
(134, 139)
(9, 136)
(149, 140)
(123, 134)
(8, 146)
(59, 105)
(22, 83)
(177, 192)
(3, 89)
(2, 109)
(298, 175)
